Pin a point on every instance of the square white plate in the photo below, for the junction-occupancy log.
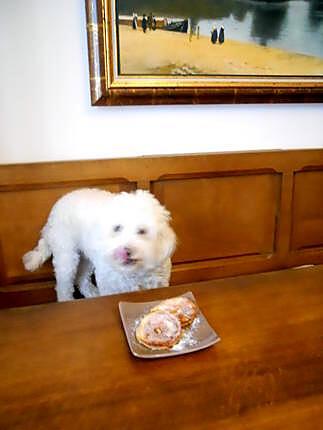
(198, 336)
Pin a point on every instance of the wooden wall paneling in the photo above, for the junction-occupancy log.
(225, 223)
(284, 218)
(33, 293)
(222, 216)
(307, 210)
(233, 213)
(306, 230)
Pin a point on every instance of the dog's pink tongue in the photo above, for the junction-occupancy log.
(121, 254)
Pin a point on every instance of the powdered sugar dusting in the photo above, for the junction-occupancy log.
(134, 324)
(188, 339)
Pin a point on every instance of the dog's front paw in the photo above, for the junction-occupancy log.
(64, 294)
(89, 290)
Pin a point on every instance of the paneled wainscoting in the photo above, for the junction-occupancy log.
(233, 213)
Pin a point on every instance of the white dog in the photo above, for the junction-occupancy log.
(125, 239)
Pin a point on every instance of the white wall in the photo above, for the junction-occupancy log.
(45, 111)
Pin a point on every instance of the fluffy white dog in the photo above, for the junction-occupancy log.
(125, 239)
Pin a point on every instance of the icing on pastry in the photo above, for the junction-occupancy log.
(159, 330)
(182, 307)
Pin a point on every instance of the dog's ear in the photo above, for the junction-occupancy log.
(166, 242)
(166, 235)
(147, 196)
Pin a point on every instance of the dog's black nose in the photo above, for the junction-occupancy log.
(128, 251)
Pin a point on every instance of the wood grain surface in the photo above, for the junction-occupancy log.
(68, 365)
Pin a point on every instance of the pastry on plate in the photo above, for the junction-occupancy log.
(159, 330)
(181, 307)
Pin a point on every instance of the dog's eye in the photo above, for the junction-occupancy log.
(142, 231)
(117, 228)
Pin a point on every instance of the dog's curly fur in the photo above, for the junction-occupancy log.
(124, 239)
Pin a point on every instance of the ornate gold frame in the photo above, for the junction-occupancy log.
(109, 88)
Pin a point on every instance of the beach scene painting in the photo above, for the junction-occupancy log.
(220, 38)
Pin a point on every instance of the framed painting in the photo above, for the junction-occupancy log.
(205, 51)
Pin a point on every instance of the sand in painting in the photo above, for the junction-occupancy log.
(165, 52)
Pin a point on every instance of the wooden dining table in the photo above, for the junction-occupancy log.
(68, 365)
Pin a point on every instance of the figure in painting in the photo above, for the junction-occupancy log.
(154, 24)
(144, 23)
(221, 35)
(134, 21)
(150, 21)
(214, 35)
(191, 32)
(184, 26)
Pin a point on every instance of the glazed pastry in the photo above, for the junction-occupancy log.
(159, 330)
(182, 307)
